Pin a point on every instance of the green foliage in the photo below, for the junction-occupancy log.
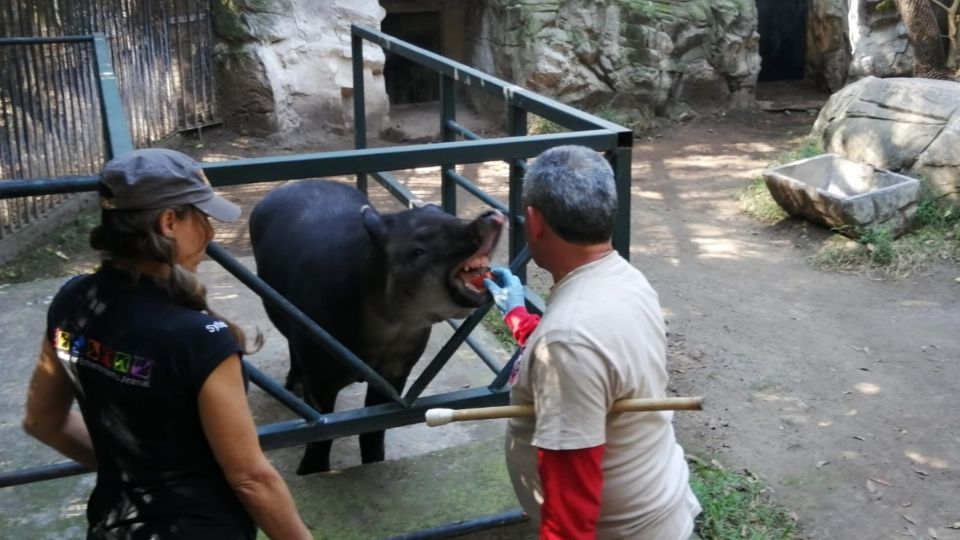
(736, 506)
(885, 5)
(935, 236)
(541, 126)
(755, 200)
(879, 244)
(494, 324)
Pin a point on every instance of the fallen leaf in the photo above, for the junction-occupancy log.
(906, 504)
(908, 518)
(857, 437)
(821, 463)
(921, 473)
(954, 525)
(881, 481)
(932, 532)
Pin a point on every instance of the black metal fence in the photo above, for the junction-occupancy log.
(459, 146)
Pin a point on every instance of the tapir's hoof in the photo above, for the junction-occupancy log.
(312, 468)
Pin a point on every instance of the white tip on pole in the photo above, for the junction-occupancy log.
(439, 417)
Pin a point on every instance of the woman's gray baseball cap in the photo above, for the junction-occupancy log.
(152, 178)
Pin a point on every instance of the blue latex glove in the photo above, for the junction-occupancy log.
(507, 291)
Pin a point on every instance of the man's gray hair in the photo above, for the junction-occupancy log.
(573, 187)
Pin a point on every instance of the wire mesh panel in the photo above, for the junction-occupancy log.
(161, 50)
(50, 121)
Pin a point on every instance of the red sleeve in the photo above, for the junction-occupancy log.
(572, 481)
(521, 323)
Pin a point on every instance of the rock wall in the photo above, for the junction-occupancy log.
(649, 56)
(851, 39)
(284, 66)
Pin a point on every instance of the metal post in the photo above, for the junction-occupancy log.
(516, 127)
(620, 161)
(448, 114)
(359, 105)
(114, 116)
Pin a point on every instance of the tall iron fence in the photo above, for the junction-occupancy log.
(50, 119)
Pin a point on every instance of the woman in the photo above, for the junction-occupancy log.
(163, 416)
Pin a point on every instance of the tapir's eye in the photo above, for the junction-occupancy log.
(416, 252)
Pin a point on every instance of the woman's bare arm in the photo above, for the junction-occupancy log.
(232, 435)
(50, 417)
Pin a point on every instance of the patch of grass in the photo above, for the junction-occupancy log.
(936, 236)
(538, 125)
(736, 506)
(65, 251)
(755, 198)
(493, 322)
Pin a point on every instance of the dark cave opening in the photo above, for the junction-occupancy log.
(782, 25)
(406, 81)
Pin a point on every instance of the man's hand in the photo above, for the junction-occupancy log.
(507, 291)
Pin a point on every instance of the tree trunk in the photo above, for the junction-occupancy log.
(929, 60)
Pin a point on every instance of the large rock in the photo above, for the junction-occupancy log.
(284, 66)
(908, 125)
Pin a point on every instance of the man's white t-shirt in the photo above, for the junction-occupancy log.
(601, 339)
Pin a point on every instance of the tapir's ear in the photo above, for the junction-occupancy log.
(374, 224)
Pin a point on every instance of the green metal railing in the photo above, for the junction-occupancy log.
(458, 146)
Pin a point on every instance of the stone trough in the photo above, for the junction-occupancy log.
(845, 195)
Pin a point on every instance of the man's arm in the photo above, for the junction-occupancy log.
(572, 481)
(521, 323)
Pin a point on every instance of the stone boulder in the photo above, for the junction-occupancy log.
(284, 66)
(902, 124)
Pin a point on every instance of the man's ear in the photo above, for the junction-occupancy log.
(167, 222)
(534, 222)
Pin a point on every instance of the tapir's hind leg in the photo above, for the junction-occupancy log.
(294, 381)
(371, 444)
(316, 457)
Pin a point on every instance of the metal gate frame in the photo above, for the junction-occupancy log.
(586, 130)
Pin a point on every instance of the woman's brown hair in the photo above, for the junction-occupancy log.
(125, 237)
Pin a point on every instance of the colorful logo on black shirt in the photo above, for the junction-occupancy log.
(75, 349)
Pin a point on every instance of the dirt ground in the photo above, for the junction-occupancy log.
(833, 389)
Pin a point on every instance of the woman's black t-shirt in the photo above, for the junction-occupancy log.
(138, 361)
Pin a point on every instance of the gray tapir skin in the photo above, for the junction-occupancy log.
(377, 283)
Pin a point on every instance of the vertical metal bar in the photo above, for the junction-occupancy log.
(516, 126)
(359, 105)
(194, 38)
(448, 114)
(620, 162)
(112, 112)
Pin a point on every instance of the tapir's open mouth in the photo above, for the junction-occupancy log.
(471, 271)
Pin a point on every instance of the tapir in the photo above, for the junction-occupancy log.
(376, 282)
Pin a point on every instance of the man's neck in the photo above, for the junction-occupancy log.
(573, 256)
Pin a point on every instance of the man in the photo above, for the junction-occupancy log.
(577, 471)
